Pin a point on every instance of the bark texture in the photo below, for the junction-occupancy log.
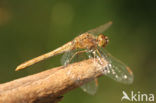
(50, 85)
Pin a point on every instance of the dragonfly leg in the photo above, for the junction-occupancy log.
(96, 81)
(98, 52)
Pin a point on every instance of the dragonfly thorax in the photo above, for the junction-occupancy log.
(85, 41)
(102, 40)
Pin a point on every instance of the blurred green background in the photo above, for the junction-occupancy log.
(29, 28)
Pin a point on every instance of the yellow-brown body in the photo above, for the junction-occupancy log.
(85, 41)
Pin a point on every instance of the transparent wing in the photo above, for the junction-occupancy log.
(79, 55)
(115, 68)
(65, 60)
(101, 28)
(76, 56)
(90, 87)
(73, 56)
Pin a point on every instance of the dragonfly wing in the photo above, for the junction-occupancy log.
(115, 69)
(65, 60)
(79, 55)
(74, 56)
(90, 87)
(101, 28)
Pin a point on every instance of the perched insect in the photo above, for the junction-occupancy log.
(89, 45)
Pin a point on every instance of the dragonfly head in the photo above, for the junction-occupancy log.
(102, 40)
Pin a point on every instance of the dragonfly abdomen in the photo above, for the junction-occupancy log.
(57, 51)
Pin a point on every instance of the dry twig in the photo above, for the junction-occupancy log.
(50, 85)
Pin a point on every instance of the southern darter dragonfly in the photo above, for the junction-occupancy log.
(90, 44)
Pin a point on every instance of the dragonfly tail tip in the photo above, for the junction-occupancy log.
(110, 22)
(18, 68)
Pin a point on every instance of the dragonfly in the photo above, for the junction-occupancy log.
(90, 44)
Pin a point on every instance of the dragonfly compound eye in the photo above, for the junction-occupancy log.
(102, 40)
